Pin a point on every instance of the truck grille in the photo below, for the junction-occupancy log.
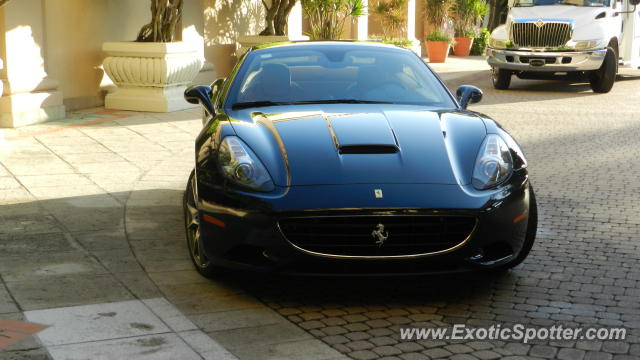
(549, 35)
(352, 235)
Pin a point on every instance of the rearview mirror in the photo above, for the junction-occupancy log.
(200, 94)
(468, 94)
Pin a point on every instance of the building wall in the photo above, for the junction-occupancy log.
(224, 21)
(73, 31)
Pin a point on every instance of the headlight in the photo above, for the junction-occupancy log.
(494, 164)
(498, 44)
(240, 165)
(586, 45)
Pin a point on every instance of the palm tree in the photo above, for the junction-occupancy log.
(327, 17)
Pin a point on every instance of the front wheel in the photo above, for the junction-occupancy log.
(602, 79)
(501, 78)
(192, 227)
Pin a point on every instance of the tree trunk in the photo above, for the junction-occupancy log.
(498, 8)
(270, 16)
(277, 16)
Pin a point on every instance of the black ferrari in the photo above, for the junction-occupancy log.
(352, 158)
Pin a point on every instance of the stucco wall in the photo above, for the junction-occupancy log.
(224, 21)
(75, 31)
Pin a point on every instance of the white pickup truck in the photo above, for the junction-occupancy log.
(578, 39)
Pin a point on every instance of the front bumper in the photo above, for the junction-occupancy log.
(545, 61)
(251, 238)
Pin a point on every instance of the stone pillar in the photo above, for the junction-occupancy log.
(362, 24)
(294, 23)
(29, 96)
(411, 26)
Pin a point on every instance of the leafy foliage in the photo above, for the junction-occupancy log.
(480, 43)
(437, 12)
(3, 2)
(405, 43)
(327, 17)
(439, 35)
(392, 14)
(468, 13)
(165, 15)
(277, 15)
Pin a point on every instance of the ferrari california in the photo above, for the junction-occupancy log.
(351, 158)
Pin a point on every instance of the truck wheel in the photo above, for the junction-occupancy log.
(602, 79)
(501, 78)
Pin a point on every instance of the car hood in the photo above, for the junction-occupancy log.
(362, 144)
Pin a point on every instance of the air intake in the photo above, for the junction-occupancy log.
(368, 149)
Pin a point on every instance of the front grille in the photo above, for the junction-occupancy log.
(353, 235)
(549, 35)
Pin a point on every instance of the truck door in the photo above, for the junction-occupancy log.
(630, 46)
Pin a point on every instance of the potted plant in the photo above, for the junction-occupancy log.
(467, 15)
(328, 17)
(152, 72)
(276, 22)
(437, 41)
(438, 46)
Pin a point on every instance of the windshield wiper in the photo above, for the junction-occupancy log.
(340, 101)
(250, 104)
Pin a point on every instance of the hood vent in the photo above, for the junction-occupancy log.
(368, 149)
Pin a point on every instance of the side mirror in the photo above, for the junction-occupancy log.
(200, 94)
(634, 2)
(468, 94)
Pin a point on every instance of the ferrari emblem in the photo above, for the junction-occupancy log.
(378, 193)
(539, 23)
(380, 235)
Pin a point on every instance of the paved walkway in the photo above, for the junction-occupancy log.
(92, 246)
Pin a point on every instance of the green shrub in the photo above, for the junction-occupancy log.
(397, 42)
(480, 43)
(439, 35)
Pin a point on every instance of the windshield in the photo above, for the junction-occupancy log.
(562, 2)
(326, 73)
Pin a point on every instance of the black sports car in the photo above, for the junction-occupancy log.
(352, 158)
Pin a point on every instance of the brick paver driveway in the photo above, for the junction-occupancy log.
(91, 214)
(584, 152)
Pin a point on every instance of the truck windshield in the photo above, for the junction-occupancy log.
(592, 3)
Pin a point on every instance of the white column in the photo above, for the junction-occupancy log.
(362, 24)
(294, 23)
(411, 26)
(30, 95)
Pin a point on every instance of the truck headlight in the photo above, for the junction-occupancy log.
(494, 164)
(586, 45)
(499, 44)
(240, 165)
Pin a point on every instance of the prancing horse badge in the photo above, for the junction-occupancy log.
(378, 193)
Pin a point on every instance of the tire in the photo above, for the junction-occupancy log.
(192, 233)
(602, 80)
(530, 237)
(501, 78)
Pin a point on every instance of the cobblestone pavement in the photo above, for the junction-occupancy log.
(584, 152)
(91, 216)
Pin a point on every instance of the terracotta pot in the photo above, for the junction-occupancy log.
(462, 46)
(438, 51)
